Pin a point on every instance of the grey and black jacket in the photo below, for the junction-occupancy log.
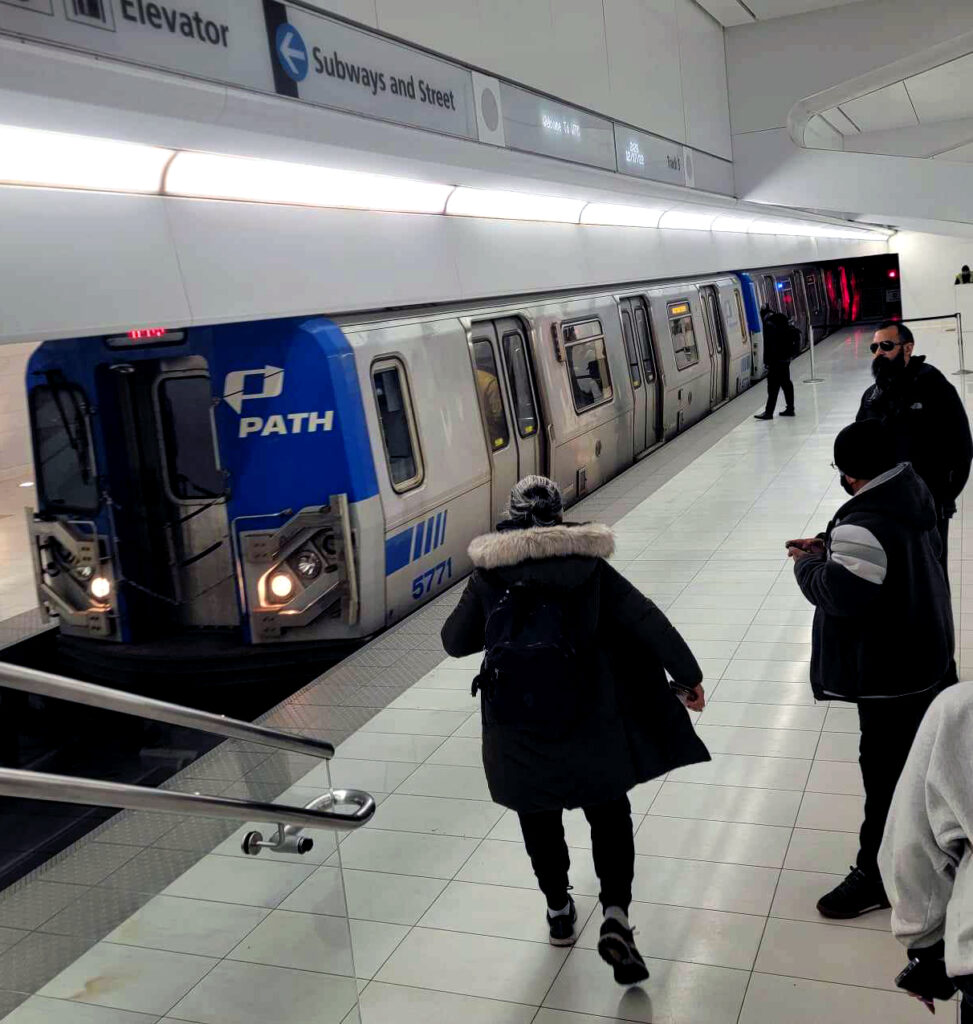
(929, 426)
(634, 728)
(883, 624)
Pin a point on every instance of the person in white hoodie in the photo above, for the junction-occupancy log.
(925, 857)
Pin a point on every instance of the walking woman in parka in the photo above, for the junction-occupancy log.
(576, 705)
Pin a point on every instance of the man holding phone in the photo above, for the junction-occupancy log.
(883, 630)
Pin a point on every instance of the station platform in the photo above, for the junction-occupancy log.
(152, 918)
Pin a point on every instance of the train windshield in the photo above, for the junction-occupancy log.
(62, 447)
(186, 411)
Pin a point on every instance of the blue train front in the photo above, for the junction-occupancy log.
(205, 480)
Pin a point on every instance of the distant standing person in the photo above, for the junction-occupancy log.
(965, 276)
(575, 703)
(883, 628)
(925, 414)
(926, 857)
(780, 347)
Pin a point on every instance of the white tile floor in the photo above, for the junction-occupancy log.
(446, 924)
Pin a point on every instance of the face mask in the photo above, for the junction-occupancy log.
(886, 370)
(845, 486)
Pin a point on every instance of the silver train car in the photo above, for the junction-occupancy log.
(312, 480)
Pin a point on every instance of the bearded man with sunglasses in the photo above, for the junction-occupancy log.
(925, 416)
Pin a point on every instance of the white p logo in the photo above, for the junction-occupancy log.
(233, 388)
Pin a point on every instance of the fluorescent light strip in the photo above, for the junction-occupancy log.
(687, 220)
(35, 157)
(29, 156)
(481, 202)
(214, 176)
(731, 222)
(621, 216)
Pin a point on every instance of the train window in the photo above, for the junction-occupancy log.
(491, 400)
(786, 288)
(644, 341)
(515, 353)
(398, 425)
(770, 292)
(62, 448)
(684, 346)
(587, 360)
(633, 360)
(189, 439)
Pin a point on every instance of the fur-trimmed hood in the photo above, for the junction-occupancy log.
(512, 547)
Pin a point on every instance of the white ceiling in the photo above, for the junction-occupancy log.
(926, 114)
(746, 12)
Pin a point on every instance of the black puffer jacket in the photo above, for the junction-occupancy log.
(635, 728)
(930, 426)
(883, 625)
(779, 339)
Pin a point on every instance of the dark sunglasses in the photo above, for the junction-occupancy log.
(885, 346)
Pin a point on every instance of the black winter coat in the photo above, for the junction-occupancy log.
(930, 427)
(635, 728)
(883, 625)
(779, 336)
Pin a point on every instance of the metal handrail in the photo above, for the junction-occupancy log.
(68, 789)
(46, 684)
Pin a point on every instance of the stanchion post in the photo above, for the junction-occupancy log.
(810, 333)
(962, 371)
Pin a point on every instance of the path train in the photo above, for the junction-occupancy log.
(316, 479)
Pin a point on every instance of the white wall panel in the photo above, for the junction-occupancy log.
(703, 69)
(244, 261)
(929, 265)
(15, 454)
(643, 40)
(84, 259)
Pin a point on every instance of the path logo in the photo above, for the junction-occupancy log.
(235, 393)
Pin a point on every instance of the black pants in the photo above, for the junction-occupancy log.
(778, 378)
(612, 847)
(888, 726)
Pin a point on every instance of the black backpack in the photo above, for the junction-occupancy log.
(532, 673)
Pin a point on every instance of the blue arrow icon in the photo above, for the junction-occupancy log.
(291, 52)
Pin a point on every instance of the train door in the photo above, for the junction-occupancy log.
(639, 411)
(168, 495)
(518, 374)
(651, 383)
(716, 341)
(505, 389)
(769, 289)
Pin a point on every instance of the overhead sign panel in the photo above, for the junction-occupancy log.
(331, 64)
(648, 156)
(269, 46)
(536, 124)
(219, 40)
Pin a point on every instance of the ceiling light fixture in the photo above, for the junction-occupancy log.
(482, 202)
(216, 176)
(29, 156)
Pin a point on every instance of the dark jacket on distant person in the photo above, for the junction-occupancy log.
(929, 426)
(634, 727)
(883, 624)
(779, 336)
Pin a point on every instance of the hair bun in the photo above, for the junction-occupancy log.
(538, 499)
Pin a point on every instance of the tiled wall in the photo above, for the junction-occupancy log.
(14, 441)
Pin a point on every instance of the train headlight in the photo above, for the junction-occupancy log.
(100, 588)
(281, 586)
(308, 564)
(85, 572)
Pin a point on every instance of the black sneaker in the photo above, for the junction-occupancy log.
(616, 946)
(787, 412)
(856, 895)
(764, 416)
(562, 927)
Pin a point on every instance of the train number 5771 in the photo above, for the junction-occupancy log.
(422, 585)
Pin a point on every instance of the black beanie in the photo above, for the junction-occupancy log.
(864, 450)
